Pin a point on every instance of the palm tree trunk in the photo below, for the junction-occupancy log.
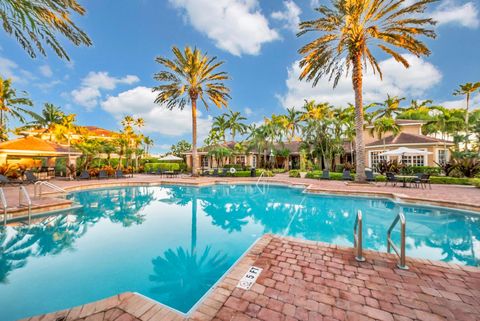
(194, 137)
(466, 122)
(359, 144)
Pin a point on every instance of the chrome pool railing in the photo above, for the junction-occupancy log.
(4, 205)
(37, 188)
(358, 237)
(400, 252)
(24, 200)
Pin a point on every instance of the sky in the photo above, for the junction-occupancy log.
(257, 41)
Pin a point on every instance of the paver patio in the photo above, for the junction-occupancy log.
(304, 280)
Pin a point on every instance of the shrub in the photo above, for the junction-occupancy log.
(294, 173)
(163, 166)
(279, 170)
(450, 180)
(476, 182)
(339, 168)
(411, 170)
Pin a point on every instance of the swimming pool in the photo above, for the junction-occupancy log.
(172, 243)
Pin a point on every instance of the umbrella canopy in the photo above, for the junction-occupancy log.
(171, 158)
(405, 151)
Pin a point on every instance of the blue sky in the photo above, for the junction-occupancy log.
(257, 41)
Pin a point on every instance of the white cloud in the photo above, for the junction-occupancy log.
(89, 93)
(46, 71)
(248, 111)
(461, 103)
(449, 12)
(237, 26)
(10, 70)
(411, 82)
(315, 3)
(139, 101)
(291, 15)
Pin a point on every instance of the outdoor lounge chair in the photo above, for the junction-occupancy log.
(206, 172)
(30, 177)
(390, 178)
(4, 180)
(215, 172)
(102, 174)
(224, 172)
(425, 179)
(325, 174)
(119, 174)
(84, 175)
(159, 172)
(346, 176)
(370, 176)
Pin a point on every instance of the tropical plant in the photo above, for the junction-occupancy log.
(384, 125)
(12, 105)
(389, 108)
(292, 123)
(234, 123)
(467, 90)
(36, 23)
(349, 30)
(220, 126)
(147, 142)
(190, 76)
(180, 148)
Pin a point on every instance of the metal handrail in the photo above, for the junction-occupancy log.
(400, 252)
(24, 200)
(358, 237)
(260, 177)
(39, 185)
(4, 204)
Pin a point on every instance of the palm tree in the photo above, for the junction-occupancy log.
(35, 23)
(148, 142)
(219, 126)
(384, 125)
(190, 76)
(234, 123)
(467, 89)
(292, 122)
(349, 30)
(50, 117)
(389, 108)
(12, 105)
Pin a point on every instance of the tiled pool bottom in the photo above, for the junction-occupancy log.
(173, 243)
(305, 280)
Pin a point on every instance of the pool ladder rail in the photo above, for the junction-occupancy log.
(358, 239)
(3, 200)
(37, 188)
(25, 200)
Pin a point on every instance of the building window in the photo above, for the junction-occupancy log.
(254, 161)
(240, 160)
(442, 156)
(416, 160)
(204, 161)
(376, 158)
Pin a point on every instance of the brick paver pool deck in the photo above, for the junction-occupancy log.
(308, 281)
(304, 280)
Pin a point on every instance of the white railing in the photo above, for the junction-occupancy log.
(260, 177)
(24, 200)
(38, 188)
(4, 205)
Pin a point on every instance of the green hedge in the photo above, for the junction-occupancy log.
(164, 166)
(411, 170)
(476, 182)
(450, 180)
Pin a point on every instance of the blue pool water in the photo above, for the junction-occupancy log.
(172, 243)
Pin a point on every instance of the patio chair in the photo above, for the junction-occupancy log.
(417, 181)
(215, 172)
(325, 174)
(224, 172)
(84, 175)
(4, 180)
(30, 177)
(206, 172)
(390, 178)
(119, 174)
(425, 179)
(346, 176)
(159, 172)
(102, 174)
(176, 172)
(370, 176)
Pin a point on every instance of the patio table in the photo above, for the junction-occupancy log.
(404, 178)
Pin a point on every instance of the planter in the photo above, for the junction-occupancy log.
(303, 174)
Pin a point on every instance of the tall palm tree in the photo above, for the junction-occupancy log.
(50, 117)
(349, 30)
(467, 89)
(292, 122)
(12, 105)
(36, 23)
(190, 76)
(390, 107)
(220, 125)
(384, 125)
(148, 142)
(234, 123)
